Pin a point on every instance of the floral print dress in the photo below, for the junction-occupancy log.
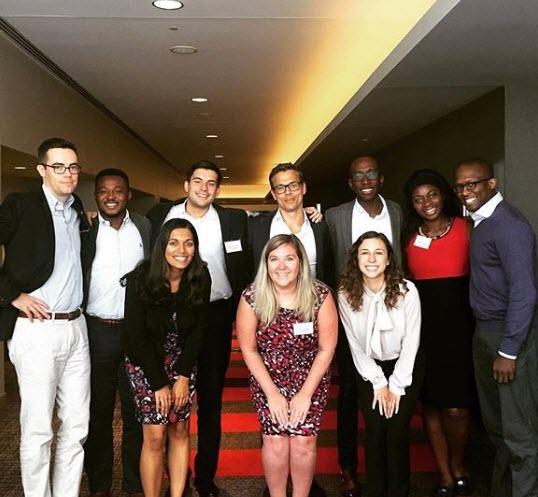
(288, 359)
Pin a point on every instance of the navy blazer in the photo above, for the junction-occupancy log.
(259, 230)
(27, 234)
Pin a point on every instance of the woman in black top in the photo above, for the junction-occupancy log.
(166, 306)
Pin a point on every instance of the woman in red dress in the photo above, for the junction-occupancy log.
(436, 241)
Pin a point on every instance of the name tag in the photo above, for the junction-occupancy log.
(303, 328)
(233, 246)
(422, 242)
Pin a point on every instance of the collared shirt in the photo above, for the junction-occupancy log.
(377, 333)
(117, 252)
(211, 247)
(487, 209)
(361, 222)
(305, 234)
(63, 290)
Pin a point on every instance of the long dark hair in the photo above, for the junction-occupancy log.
(451, 205)
(352, 284)
(194, 277)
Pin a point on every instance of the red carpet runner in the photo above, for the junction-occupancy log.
(247, 461)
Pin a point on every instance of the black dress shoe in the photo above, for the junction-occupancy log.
(349, 486)
(316, 490)
(462, 486)
(212, 491)
(442, 491)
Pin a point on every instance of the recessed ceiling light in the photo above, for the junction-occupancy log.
(20, 168)
(183, 50)
(199, 100)
(167, 4)
(211, 136)
(173, 28)
(364, 139)
(226, 177)
(204, 114)
(223, 168)
(219, 156)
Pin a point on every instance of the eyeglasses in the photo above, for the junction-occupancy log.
(61, 168)
(292, 187)
(470, 185)
(359, 176)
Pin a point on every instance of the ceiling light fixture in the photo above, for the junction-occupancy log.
(19, 168)
(226, 177)
(364, 139)
(183, 50)
(167, 4)
(173, 28)
(223, 168)
(211, 136)
(219, 156)
(199, 100)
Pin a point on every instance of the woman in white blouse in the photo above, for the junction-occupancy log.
(380, 312)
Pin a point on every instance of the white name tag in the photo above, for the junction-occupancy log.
(422, 242)
(233, 246)
(303, 328)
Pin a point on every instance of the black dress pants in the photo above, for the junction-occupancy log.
(387, 440)
(107, 377)
(212, 365)
(510, 414)
(347, 410)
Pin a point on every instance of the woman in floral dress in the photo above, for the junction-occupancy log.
(287, 329)
(166, 306)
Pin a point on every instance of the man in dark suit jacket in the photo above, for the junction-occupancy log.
(368, 211)
(40, 299)
(288, 189)
(223, 246)
(118, 240)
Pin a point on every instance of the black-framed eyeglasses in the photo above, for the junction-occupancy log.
(470, 185)
(62, 168)
(359, 175)
(292, 187)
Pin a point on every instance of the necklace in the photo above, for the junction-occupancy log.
(440, 235)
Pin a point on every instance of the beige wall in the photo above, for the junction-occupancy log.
(35, 105)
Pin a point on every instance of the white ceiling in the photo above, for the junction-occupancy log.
(251, 59)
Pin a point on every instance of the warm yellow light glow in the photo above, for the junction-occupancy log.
(358, 40)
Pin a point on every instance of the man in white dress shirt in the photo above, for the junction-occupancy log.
(116, 243)
(369, 211)
(40, 316)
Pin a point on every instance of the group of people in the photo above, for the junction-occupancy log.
(424, 305)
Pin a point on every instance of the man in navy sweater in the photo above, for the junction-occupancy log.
(503, 297)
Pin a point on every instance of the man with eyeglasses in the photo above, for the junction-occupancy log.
(369, 211)
(288, 189)
(40, 317)
(503, 298)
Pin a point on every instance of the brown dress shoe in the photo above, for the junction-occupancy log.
(350, 486)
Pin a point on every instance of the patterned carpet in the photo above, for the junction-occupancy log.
(240, 472)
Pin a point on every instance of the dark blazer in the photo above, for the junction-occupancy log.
(89, 240)
(339, 221)
(27, 234)
(233, 225)
(149, 323)
(259, 230)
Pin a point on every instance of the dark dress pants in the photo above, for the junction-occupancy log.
(387, 440)
(510, 414)
(108, 376)
(347, 406)
(212, 365)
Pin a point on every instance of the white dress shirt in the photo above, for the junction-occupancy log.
(63, 290)
(211, 247)
(376, 332)
(487, 209)
(361, 222)
(117, 252)
(305, 234)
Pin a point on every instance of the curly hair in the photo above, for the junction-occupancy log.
(352, 281)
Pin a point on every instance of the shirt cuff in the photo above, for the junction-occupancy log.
(396, 389)
(507, 356)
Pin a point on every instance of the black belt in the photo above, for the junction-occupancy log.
(110, 322)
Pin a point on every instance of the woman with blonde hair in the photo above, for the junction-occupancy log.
(287, 329)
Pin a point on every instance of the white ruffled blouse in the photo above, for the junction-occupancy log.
(378, 333)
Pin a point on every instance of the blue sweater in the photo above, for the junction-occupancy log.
(503, 283)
